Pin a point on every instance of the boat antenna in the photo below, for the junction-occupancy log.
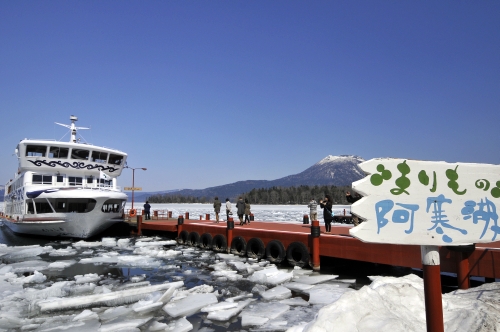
(72, 127)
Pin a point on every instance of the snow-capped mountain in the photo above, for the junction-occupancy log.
(332, 170)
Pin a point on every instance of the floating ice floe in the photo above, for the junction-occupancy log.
(60, 265)
(108, 242)
(63, 252)
(227, 314)
(295, 301)
(114, 298)
(86, 315)
(123, 260)
(271, 276)
(260, 313)
(85, 244)
(314, 279)
(180, 325)
(29, 266)
(189, 305)
(35, 278)
(141, 243)
(276, 293)
(124, 325)
(90, 277)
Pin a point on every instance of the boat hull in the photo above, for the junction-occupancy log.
(71, 225)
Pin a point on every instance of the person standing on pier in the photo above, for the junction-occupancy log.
(228, 209)
(326, 205)
(217, 205)
(240, 205)
(313, 209)
(147, 209)
(247, 211)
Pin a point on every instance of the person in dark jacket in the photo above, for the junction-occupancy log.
(326, 205)
(147, 211)
(247, 211)
(240, 205)
(217, 205)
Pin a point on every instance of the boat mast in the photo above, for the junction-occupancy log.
(72, 127)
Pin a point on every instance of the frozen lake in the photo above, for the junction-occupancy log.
(152, 284)
(282, 213)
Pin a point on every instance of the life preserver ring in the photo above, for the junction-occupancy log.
(183, 236)
(256, 248)
(219, 243)
(238, 246)
(297, 254)
(132, 213)
(205, 241)
(275, 251)
(193, 239)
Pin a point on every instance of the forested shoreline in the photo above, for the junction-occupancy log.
(273, 195)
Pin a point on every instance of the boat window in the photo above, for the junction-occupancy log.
(74, 180)
(42, 179)
(90, 179)
(58, 152)
(36, 150)
(80, 154)
(61, 206)
(105, 183)
(60, 178)
(41, 207)
(115, 159)
(113, 206)
(99, 157)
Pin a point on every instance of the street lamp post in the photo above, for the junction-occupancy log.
(133, 180)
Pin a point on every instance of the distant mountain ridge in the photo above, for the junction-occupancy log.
(340, 170)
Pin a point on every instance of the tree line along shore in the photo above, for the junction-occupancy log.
(267, 196)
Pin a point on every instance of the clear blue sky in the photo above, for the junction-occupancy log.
(205, 93)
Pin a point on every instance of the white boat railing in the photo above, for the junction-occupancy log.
(83, 185)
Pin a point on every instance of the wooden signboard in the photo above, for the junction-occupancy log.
(427, 203)
(132, 188)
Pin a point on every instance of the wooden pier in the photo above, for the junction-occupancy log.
(303, 244)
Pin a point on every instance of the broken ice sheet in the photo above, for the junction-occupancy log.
(60, 265)
(29, 266)
(271, 276)
(189, 305)
(226, 314)
(276, 293)
(90, 277)
(180, 325)
(84, 244)
(314, 279)
(63, 252)
(260, 313)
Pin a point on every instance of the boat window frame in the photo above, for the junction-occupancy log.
(99, 159)
(75, 153)
(113, 159)
(44, 180)
(30, 146)
(75, 182)
(51, 147)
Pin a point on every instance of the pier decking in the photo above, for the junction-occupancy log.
(481, 261)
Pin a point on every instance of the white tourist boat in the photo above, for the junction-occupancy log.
(64, 188)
